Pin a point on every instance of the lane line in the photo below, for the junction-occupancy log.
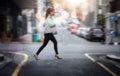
(18, 68)
(100, 64)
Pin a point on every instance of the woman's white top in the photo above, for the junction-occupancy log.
(50, 26)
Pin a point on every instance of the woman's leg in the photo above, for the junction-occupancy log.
(44, 43)
(53, 39)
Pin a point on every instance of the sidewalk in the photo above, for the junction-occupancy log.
(116, 41)
(115, 57)
(28, 38)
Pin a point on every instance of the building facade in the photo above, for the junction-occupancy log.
(13, 16)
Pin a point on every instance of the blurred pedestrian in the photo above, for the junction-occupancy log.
(49, 33)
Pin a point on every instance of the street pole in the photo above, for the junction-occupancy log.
(95, 15)
(112, 19)
(112, 32)
(118, 17)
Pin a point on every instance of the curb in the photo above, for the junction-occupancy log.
(2, 57)
(113, 57)
(111, 43)
(23, 42)
(114, 43)
(4, 61)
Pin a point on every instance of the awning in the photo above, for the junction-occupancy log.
(26, 4)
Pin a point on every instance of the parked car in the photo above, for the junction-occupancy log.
(96, 33)
(91, 33)
(82, 31)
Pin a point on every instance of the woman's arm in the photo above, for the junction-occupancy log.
(49, 22)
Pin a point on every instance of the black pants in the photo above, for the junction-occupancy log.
(48, 36)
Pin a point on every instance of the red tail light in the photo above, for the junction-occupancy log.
(73, 26)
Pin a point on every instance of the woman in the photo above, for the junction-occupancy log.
(49, 29)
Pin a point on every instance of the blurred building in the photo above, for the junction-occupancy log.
(113, 11)
(14, 16)
(18, 17)
(115, 8)
(89, 10)
(103, 10)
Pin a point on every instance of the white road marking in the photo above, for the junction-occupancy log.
(103, 66)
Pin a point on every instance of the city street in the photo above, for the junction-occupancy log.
(79, 58)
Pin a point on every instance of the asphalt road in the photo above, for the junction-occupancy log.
(77, 53)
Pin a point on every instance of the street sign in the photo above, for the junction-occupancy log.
(112, 32)
(112, 19)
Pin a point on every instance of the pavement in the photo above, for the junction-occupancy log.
(27, 39)
(4, 60)
(14, 46)
(114, 41)
(104, 59)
